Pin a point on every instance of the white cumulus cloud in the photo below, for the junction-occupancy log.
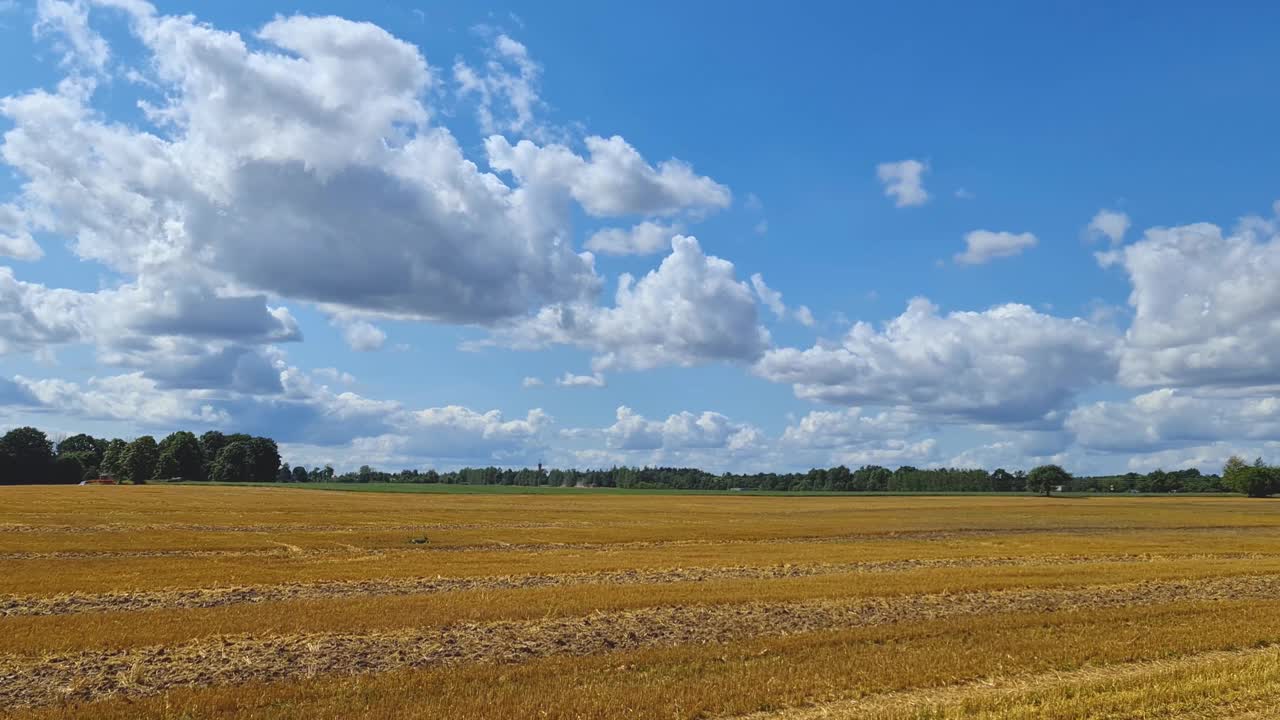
(983, 246)
(645, 238)
(904, 182)
(1169, 418)
(361, 335)
(595, 380)
(1205, 306)
(1006, 364)
(1109, 224)
(614, 180)
(690, 310)
(679, 431)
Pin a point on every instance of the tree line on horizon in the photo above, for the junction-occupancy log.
(868, 478)
(28, 456)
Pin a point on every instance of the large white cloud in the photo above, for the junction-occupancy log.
(1167, 418)
(1006, 364)
(305, 165)
(690, 310)
(129, 397)
(182, 334)
(1206, 306)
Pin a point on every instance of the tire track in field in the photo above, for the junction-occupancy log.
(118, 554)
(287, 527)
(92, 675)
(496, 546)
(75, 603)
(920, 702)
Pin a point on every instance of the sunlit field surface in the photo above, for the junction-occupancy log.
(203, 602)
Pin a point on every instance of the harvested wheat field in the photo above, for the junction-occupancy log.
(201, 602)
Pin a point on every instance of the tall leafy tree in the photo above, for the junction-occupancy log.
(1044, 478)
(84, 445)
(85, 449)
(26, 456)
(67, 469)
(113, 459)
(180, 457)
(1001, 480)
(234, 463)
(140, 459)
(1256, 480)
(266, 459)
(211, 443)
(300, 474)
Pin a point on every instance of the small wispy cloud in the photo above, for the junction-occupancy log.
(904, 182)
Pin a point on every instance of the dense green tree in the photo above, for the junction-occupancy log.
(67, 469)
(211, 443)
(89, 468)
(285, 474)
(180, 457)
(1231, 470)
(1257, 480)
(300, 474)
(26, 456)
(140, 459)
(113, 459)
(234, 463)
(87, 448)
(1002, 480)
(877, 477)
(1045, 478)
(266, 459)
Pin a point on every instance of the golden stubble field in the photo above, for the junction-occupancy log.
(202, 602)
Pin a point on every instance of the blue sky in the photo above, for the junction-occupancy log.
(932, 235)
